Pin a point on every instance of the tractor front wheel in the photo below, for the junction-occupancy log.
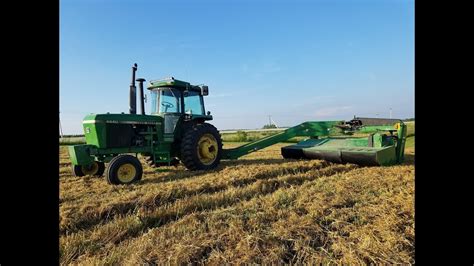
(94, 169)
(201, 147)
(124, 169)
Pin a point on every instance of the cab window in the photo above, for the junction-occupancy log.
(193, 103)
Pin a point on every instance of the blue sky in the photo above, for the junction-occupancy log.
(294, 60)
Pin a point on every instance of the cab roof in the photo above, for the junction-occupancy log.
(171, 82)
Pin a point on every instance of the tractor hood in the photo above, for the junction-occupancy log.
(98, 128)
(122, 119)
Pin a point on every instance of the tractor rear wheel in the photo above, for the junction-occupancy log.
(94, 169)
(201, 147)
(124, 169)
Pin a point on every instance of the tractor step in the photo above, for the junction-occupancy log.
(162, 159)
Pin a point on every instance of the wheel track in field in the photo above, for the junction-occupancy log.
(129, 227)
(94, 217)
(201, 243)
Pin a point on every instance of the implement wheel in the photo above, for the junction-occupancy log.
(94, 169)
(124, 169)
(201, 147)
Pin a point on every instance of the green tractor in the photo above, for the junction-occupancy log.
(177, 131)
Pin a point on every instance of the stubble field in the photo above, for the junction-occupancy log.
(258, 209)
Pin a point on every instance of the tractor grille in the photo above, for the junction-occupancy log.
(119, 135)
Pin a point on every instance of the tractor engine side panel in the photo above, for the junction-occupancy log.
(120, 131)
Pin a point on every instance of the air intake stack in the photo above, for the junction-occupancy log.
(142, 96)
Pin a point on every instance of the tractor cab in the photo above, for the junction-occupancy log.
(177, 97)
(173, 99)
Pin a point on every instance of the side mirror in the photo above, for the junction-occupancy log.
(208, 112)
(204, 90)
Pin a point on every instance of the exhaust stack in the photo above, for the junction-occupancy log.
(142, 96)
(133, 92)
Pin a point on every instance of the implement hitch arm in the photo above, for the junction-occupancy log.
(310, 129)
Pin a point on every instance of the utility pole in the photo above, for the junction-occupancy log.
(60, 128)
(273, 123)
(269, 120)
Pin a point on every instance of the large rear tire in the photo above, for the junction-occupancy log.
(124, 169)
(201, 147)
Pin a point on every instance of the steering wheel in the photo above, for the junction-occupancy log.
(167, 105)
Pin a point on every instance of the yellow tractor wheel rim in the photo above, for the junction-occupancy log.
(207, 149)
(90, 169)
(126, 172)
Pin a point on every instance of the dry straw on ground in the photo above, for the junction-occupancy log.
(258, 209)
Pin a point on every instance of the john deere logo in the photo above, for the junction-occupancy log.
(88, 130)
